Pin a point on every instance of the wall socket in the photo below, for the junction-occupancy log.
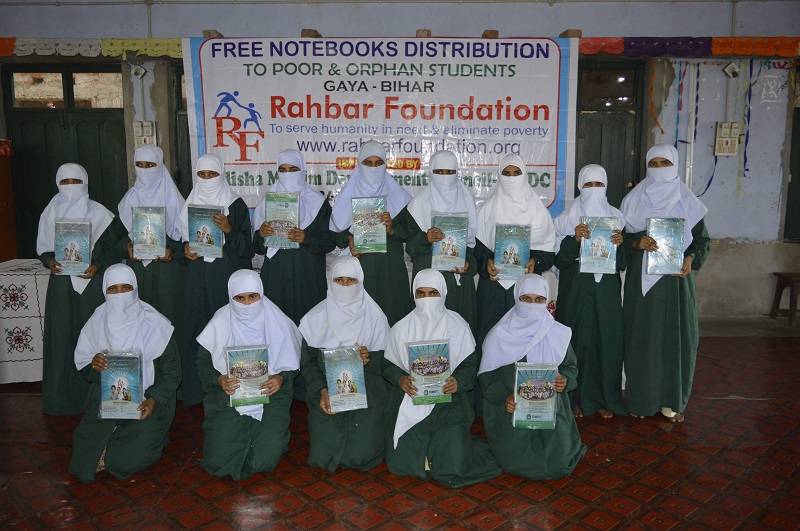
(144, 132)
(138, 71)
(726, 143)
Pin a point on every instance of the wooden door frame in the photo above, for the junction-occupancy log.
(67, 113)
(639, 66)
(176, 95)
(9, 69)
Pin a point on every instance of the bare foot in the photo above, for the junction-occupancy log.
(606, 414)
(101, 463)
(672, 416)
(578, 413)
(637, 416)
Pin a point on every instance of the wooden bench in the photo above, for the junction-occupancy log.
(791, 281)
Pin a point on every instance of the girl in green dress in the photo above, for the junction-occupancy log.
(528, 333)
(125, 324)
(71, 299)
(512, 202)
(385, 274)
(283, 268)
(591, 303)
(447, 195)
(433, 441)
(660, 311)
(241, 441)
(207, 278)
(161, 282)
(347, 317)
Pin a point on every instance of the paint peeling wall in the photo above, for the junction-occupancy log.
(744, 193)
(737, 279)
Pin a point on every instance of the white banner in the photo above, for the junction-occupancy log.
(483, 99)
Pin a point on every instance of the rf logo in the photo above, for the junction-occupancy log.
(238, 124)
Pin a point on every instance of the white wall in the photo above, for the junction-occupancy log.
(744, 200)
(737, 281)
(168, 19)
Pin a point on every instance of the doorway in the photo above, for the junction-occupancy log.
(610, 107)
(182, 172)
(58, 114)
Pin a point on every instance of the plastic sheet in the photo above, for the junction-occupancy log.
(251, 98)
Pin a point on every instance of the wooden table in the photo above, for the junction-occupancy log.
(791, 281)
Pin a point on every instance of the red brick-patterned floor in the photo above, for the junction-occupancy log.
(732, 464)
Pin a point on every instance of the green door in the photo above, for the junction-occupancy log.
(609, 122)
(182, 173)
(57, 115)
(608, 139)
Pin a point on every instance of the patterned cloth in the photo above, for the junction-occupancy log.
(23, 288)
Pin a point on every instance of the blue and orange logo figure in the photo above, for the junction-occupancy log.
(231, 126)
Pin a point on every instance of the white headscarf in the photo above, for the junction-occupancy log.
(366, 181)
(212, 192)
(430, 320)
(154, 187)
(348, 316)
(445, 194)
(310, 200)
(661, 194)
(260, 323)
(124, 324)
(72, 201)
(591, 202)
(526, 331)
(513, 202)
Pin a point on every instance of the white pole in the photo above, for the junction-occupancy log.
(693, 73)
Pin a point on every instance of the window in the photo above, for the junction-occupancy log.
(38, 90)
(97, 90)
(65, 86)
(612, 89)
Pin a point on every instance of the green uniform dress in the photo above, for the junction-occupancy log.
(238, 445)
(455, 459)
(207, 292)
(130, 445)
(350, 439)
(661, 332)
(593, 310)
(386, 276)
(63, 388)
(494, 300)
(162, 284)
(461, 295)
(532, 454)
(294, 279)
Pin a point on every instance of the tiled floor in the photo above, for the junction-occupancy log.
(761, 326)
(732, 464)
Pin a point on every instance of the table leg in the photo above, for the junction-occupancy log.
(776, 300)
